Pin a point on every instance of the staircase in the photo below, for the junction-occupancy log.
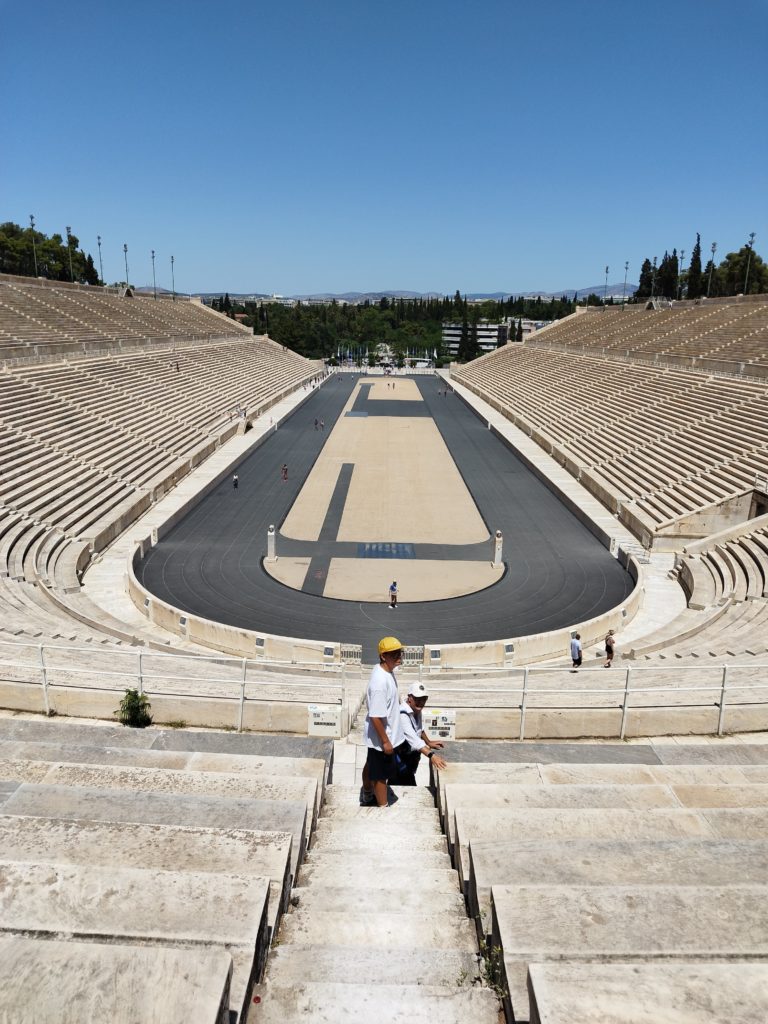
(377, 927)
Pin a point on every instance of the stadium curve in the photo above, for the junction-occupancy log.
(557, 574)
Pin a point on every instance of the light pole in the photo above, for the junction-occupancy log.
(711, 267)
(34, 247)
(653, 280)
(154, 285)
(69, 247)
(173, 281)
(125, 254)
(101, 268)
(680, 274)
(750, 244)
(605, 290)
(624, 289)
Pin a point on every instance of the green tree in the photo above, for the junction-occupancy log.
(667, 274)
(646, 280)
(731, 275)
(694, 281)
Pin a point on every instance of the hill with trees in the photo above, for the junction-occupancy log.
(740, 273)
(30, 253)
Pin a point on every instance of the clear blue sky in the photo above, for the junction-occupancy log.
(300, 146)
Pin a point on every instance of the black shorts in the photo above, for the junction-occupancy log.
(381, 766)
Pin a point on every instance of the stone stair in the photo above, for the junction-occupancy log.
(377, 925)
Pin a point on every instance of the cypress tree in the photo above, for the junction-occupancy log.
(695, 279)
(646, 280)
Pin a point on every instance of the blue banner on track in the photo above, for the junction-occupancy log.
(385, 551)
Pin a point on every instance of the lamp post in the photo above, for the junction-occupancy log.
(680, 274)
(624, 289)
(69, 247)
(750, 245)
(711, 267)
(101, 268)
(125, 255)
(34, 247)
(605, 290)
(173, 281)
(653, 280)
(154, 285)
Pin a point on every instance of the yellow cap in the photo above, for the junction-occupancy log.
(389, 643)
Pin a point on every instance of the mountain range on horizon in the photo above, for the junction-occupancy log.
(613, 291)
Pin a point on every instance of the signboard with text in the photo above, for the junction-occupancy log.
(324, 721)
(439, 725)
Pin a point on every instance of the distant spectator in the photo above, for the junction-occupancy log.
(393, 594)
(284, 471)
(576, 651)
(235, 481)
(610, 646)
(317, 423)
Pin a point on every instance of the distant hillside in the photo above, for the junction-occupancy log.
(356, 298)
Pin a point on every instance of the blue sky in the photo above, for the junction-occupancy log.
(305, 147)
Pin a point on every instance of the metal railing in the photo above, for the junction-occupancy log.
(523, 697)
(243, 681)
(532, 689)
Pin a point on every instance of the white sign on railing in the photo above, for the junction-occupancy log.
(324, 721)
(439, 724)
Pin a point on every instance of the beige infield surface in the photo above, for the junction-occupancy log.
(405, 488)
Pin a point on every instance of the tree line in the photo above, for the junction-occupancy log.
(739, 273)
(406, 326)
(30, 253)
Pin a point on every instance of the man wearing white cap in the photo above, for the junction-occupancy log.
(416, 740)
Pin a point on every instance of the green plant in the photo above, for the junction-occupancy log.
(176, 723)
(134, 710)
(491, 968)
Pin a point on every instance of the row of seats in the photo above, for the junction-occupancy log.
(88, 442)
(146, 868)
(734, 332)
(726, 585)
(664, 442)
(33, 318)
(616, 885)
(83, 441)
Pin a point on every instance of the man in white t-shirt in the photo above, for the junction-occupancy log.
(383, 729)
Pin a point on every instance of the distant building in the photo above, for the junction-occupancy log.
(488, 336)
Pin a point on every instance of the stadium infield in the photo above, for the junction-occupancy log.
(402, 483)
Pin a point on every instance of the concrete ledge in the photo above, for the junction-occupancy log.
(57, 982)
(534, 924)
(123, 844)
(143, 907)
(628, 993)
(608, 862)
(162, 809)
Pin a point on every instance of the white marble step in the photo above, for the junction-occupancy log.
(350, 1004)
(413, 929)
(359, 836)
(349, 796)
(337, 873)
(361, 862)
(294, 965)
(310, 899)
